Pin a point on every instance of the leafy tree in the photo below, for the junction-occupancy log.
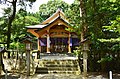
(7, 20)
(102, 18)
(22, 19)
(46, 10)
(11, 11)
(102, 21)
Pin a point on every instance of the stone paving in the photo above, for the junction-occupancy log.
(57, 57)
(62, 76)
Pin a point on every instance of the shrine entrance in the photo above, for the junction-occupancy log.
(59, 45)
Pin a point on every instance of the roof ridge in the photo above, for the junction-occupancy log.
(58, 12)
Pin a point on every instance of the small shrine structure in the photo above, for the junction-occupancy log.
(53, 36)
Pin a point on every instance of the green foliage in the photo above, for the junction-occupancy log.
(7, 11)
(3, 29)
(78, 51)
(17, 45)
(112, 40)
(115, 47)
(31, 20)
(73, 15)
(10, 14)
(105, 59)
(18, 29)
(46, 10)
(22, 19)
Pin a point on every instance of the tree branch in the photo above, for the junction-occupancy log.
(9, 1)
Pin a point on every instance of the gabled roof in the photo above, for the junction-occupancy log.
(58, 13)
(56, 20)
(43, 26)
(58, 17)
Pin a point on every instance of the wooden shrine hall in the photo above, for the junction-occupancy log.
(53, 36)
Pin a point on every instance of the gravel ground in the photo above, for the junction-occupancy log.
(60, 76)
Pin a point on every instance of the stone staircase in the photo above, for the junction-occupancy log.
(67, 66)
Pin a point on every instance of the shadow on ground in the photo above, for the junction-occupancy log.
(9, 77)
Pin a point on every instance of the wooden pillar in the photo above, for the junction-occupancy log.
(69, 49)
(48, 43)
(37, 56)
(39, 46)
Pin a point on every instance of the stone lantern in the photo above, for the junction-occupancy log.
(27, 40)
(28, 44)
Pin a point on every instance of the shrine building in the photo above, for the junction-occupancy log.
(53, 34)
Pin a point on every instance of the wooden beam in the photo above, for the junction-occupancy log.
(59, 35)
(56, 23)
(33, 32)
(41, 33)
(58, 30)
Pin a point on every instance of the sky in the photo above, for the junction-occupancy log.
(36, 5)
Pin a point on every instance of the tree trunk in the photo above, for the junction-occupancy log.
(11, 18)
(83, 33)
(1, 62)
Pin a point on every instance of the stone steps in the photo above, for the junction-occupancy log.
(55, 71)
(57, 67)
